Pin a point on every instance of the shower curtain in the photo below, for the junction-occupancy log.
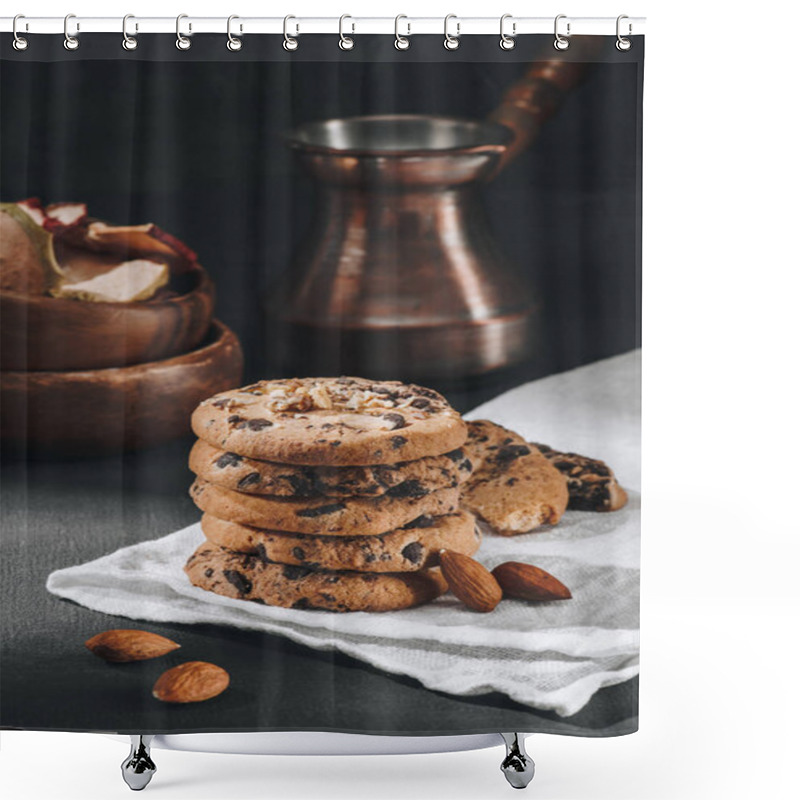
(320, 384)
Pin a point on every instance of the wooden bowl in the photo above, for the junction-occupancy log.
(94, 412)
(53, 334)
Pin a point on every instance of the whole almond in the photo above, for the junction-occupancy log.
(527, 582)
(191, 682)
(119, 646)
(470, 581)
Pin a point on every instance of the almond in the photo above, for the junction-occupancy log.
(470, 581)
(527, 582)
(119, 646)
(191, 682)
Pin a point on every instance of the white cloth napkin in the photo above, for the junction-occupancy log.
(552, 656)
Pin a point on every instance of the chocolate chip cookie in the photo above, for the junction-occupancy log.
(247, 577)
(326, 516)
(406, 479)
(514, 488)
(591, 483)
(330, 422)
(413, 547)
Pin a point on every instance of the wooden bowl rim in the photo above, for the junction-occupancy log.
(219, 332)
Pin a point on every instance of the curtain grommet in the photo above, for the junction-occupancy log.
(129, 42)
(623, 44)
(71, 42)
(234, 43)
(346, 42)
(507, 41)
(182, 42)
(20, 43)
(290, 43)
(401, 42)
(451, 42)
(561, 42)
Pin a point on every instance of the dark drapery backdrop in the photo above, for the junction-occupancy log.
(198, 147)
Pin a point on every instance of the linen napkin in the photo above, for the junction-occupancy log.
(551, 656)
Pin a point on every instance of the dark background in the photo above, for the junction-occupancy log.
(195, 143)
(198, 147)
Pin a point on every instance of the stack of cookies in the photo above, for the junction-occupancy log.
(330, 493)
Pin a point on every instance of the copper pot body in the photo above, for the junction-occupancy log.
(401, 277)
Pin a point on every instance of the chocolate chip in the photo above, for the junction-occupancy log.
(249, 480)
(209, 572)
(301, 603)
(301, 483)
(411, 488)
(294, 573)
(234, 418)
(328, 597)
(398, 421)
(320, 511)
(466, 464)
(259, 424)
(238, 581)
(420, 402)
(299, 553)
(221, 403)
(261, 552)
(512, 451)
(398, 442)
(412, 552)
(425, 521)
(455, 455)
(383, 475)
(369, 558)
(511, 481)
(336, 443)
(227, 460)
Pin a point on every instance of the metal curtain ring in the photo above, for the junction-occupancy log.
(70, 42)
(233, 43)
(129, 42)
(561, 42)
(182, 42)
(289, 43)
(346, 42)
(20, 42)
(401, 42)
(451, 42)
(622, 43)
(507, 42)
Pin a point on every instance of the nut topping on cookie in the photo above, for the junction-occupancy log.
(330, 421)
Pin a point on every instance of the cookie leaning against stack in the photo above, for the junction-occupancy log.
(330, 493)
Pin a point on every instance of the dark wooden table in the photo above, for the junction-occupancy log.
(56, 514)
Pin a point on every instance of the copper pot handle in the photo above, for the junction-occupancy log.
(529, 102)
